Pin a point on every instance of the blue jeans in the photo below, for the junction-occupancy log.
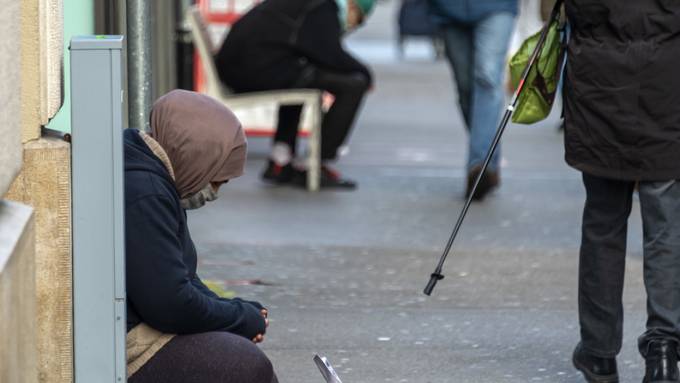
(478, 55)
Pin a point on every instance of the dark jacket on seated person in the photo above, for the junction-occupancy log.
(163, 289)
(273, 45)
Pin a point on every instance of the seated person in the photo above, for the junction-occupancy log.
(179, 330)
(284, 44)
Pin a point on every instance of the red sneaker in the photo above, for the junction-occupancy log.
(330, 179)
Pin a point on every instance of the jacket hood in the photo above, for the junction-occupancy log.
(138, 156)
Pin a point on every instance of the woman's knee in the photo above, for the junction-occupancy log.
(252, 364)
(489, 75)
(223, 357)
(262, 369)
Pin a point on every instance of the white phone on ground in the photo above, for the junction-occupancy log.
(326, 369)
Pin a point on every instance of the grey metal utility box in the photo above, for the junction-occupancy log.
(98, 209)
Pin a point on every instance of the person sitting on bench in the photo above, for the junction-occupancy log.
(292, 44)
(178, 329)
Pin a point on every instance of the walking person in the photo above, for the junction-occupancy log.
(622, 115)
(476, 36)
(284, 44)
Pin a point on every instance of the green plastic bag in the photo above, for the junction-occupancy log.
(537, 97)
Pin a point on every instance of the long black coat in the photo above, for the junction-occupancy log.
(272, 45)
(622, 89)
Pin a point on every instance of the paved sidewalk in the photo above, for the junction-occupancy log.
(343, 273)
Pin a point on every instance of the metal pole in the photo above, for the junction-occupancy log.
(121, 16)
(163, 48)
(139, 62)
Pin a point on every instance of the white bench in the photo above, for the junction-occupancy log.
(310, 98)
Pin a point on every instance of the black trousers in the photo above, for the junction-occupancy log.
(349, 90)
(214, 357)
(602, 262)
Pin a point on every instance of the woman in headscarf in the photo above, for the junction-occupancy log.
(178, 329)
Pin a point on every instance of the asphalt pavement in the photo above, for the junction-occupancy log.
(343, 272)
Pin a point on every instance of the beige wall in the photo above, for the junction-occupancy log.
(52, 56)
(30, 94)
(42, 64)
(45, 185)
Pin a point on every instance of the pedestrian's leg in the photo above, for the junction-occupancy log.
(660, 205)
(458, 45)
(349, 90)
(280, 168)
(602, 264)
(287, 126)
(491, 40)
(216, 357)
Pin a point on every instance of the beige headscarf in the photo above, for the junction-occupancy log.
(203, 139)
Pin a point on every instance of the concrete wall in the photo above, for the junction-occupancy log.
(31, 73)
(41, 61)
(10, 69)
(18, 363)
(17, 246)
(45, 184)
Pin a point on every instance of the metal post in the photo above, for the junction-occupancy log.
(139, 62)
(163, 49)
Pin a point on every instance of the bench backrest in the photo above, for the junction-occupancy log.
(206, 51)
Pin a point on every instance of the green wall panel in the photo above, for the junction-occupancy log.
(78, 20)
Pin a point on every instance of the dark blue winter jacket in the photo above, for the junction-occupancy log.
(163, 289)
(469, 11)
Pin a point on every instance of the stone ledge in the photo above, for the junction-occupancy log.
(14, 218)
(18, 354)
(10, 105)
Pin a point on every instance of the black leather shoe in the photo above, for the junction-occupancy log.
(662, 362)
(595, 369)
